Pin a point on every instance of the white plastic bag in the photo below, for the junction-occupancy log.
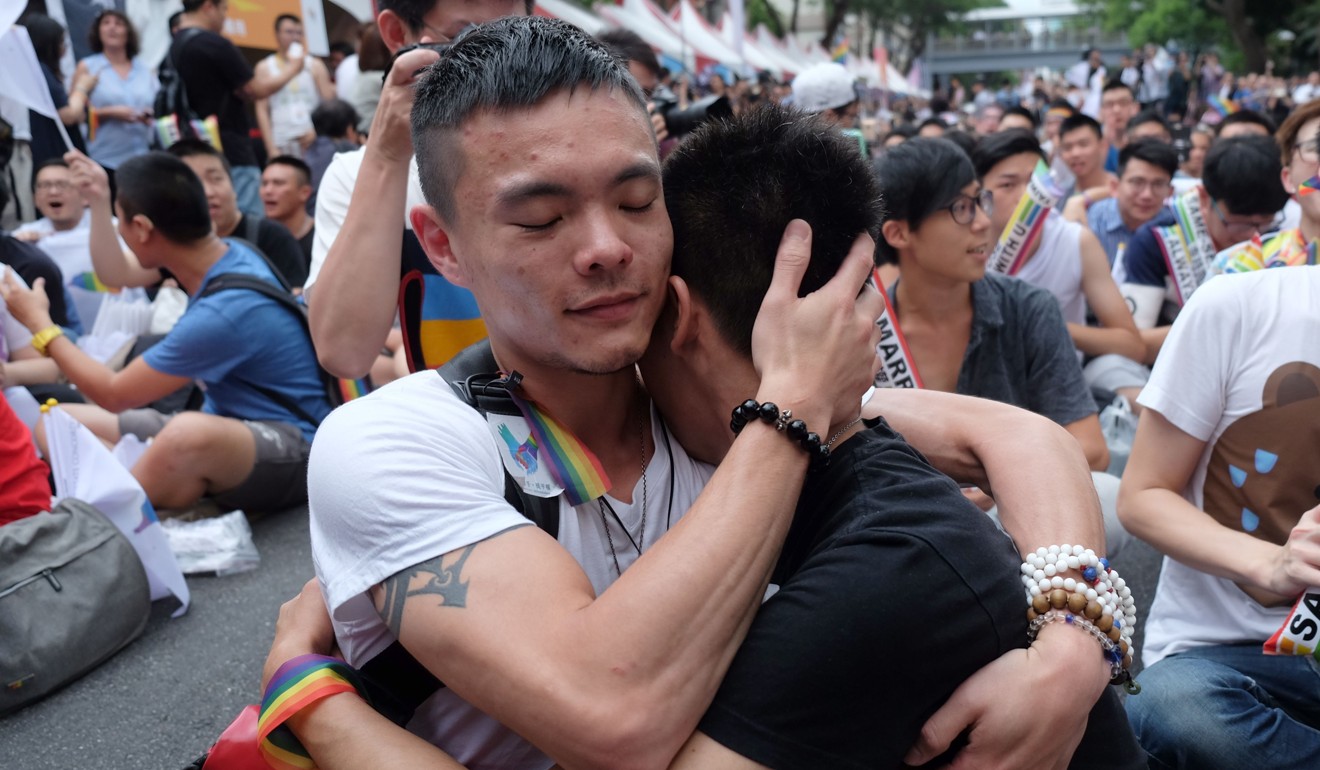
(167, 309)
(128, 312)
(84, 469)
(1119, 426)
(222, 545)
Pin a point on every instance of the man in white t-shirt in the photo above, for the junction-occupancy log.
(1222, 479)
(285, 117)
(568, 251)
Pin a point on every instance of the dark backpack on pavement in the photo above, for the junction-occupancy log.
(72, 593)
(396, 682)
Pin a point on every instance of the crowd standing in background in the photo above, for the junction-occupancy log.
(1089, 297)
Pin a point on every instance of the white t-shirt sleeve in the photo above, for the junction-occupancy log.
(401, 476)
(1190, 381)
(332, 199)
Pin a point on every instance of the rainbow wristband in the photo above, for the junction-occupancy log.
(297, 684)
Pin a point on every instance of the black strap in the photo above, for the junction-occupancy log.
(229, 281)
(396, 682)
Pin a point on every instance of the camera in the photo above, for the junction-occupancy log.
(682, 121)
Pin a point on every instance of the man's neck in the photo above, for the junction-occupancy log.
(189, 263)
(226, 228)
(1310, 228)
(297, 222)
(1130, 222)
(935, 300)
(1097, 178)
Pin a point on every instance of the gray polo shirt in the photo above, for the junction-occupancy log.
(1020, 352)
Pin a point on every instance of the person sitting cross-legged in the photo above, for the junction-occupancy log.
(264, 394)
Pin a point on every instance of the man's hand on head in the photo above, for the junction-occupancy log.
(391, 131)
(816, 354)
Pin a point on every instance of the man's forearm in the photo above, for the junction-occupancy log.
(1154, 339)
(1180, 530)
(353, 302)
(343, 732)
(91, 377)
(1098, 341)
(264, 83)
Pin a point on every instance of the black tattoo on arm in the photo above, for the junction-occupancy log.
(435, 579)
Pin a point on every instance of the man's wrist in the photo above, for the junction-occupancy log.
(1075, 655)
(43, 335)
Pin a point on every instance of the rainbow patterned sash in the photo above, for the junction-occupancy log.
(570, 462)
(1041, 195)
(897, 369)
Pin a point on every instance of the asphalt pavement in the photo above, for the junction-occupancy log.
(162, 700)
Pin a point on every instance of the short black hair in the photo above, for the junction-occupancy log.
(965, 141)
(47, 36)
(1080, 120)
(297, 164)
(1021, 111)
(4, 196)
(175, 18)
(506, 64)
(905, 130)
(934, 120)
(1152, 151)
(629, 47)
(45, 164)
(911, 192)
(191, 6)
(283, 17)
(1247, 116)
(413, 12)
(732, 187)
(997, 147)
(191, 148)
(1115, 84)
(162, 188)
(340, 46)
(333, 118)
(1244, 172)
(1149, 116)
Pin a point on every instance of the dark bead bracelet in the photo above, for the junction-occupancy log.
(796, 430)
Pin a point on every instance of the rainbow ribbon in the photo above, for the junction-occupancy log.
(1033, 208)
(89, 282)
(93, 123)
(840, 52)
(297, 684)
(572, 465)
(1311, 185)
(351, 389)
(1286, 249)
(1224, 107)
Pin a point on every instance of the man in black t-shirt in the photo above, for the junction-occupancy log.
(272, 238)
(219, 81)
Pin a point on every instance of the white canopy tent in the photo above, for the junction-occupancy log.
(752, 54)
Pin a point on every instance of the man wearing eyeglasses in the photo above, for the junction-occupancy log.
(1145, 180)
(1237, 199)
(1299, 141)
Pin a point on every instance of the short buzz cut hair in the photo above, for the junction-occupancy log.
(413, 12)
(283, 17)
(192, 148)
(507, 64)
(733, 186)
(1080, 120)
(162, 188)
(297, 164)
(1246, 116)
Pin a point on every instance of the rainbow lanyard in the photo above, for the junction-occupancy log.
(1286, 249)
(1041, 195)
(572, 465)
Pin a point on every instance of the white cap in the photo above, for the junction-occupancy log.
(824, 86)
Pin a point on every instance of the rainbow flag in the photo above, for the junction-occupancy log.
(168, 130)
(840, 51)
(89, 282)
(1224, 107)
(93, 123)
(572, 464)
(1311, 185)
(351, 389)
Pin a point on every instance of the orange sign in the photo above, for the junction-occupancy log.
(251, 23)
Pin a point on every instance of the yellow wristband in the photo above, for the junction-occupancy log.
(43, 338)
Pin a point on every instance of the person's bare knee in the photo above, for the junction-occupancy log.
(193, 447)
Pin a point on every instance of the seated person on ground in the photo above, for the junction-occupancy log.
(264, 394)
(335, 122)
(24, 479)
(1222, 479)
(1145, 179)
(587, 222)
(286, 185)
(1082, 148)
(975, 333)
(1065, 259)
(20, 364)
(1237, 199)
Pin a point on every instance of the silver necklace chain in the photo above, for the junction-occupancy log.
(640, 543)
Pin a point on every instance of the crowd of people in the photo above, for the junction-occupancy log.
(641, 292)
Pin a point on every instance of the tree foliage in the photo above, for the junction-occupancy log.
(1244, 25)
(905, 23)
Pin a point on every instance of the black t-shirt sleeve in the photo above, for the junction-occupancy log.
(31, 263)
(227, 66)
(283, 250)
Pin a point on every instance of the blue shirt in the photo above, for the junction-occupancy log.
(115, 141)
(1111, 160)
(1143, 260)
(1106, 222)
(236, 337)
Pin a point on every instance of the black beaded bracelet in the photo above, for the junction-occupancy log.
(796, 430)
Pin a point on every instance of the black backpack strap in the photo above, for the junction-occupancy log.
(396, 682)
(229, 281)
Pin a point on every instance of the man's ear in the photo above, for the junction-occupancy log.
(1288, 185)
(394, 32)
(433, 234)
(896, 233)
(141, 228)
(681, 313)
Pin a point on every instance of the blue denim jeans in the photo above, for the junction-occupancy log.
(247, 188)
(1229, 706)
